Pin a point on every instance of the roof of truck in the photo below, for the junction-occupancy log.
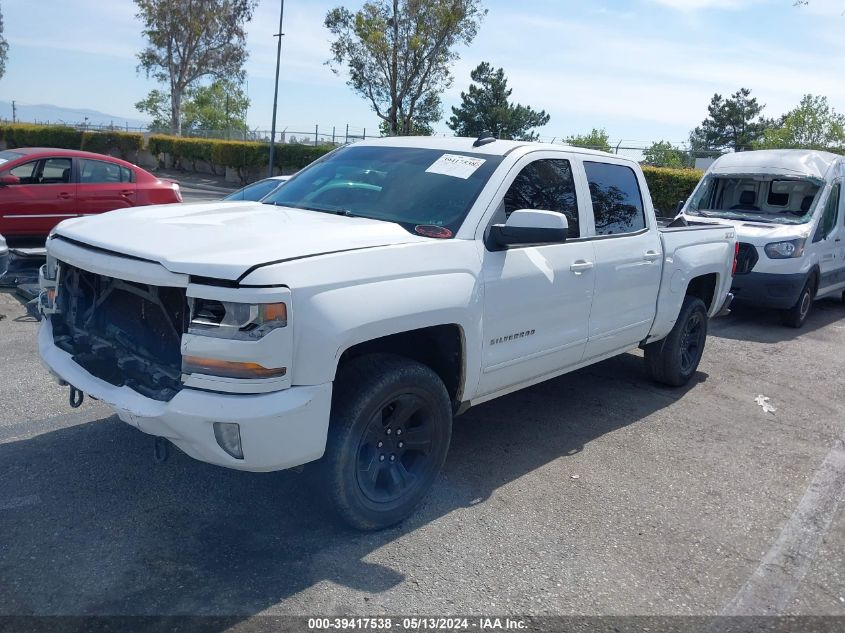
(462, 144)
(781, 162)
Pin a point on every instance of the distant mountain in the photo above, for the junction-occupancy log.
(46, 113)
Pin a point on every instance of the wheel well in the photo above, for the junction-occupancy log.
(703, 287)
(440, 347)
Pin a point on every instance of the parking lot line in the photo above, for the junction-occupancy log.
(773, 584)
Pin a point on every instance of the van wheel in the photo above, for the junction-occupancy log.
(796, 316)
(674, 360)
(389, 434)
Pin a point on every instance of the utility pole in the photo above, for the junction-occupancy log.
(276, 92)
(14, 111)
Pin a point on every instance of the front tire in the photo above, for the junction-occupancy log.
(388, 438)
(796, 316)
(674, 360)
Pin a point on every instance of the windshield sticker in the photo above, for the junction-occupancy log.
(431, 230)
(456, 166)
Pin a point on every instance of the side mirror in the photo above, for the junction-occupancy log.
(680, 207)
(528, 226)
(9, 179)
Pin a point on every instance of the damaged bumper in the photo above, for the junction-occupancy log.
(278, 430)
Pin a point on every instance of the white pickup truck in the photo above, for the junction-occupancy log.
(387, 287)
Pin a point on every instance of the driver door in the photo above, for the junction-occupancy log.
(537, 299)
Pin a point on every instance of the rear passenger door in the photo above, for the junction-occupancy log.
(628, 258)
(104, 186)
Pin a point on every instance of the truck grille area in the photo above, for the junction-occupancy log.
(746, 258)
(122, 332)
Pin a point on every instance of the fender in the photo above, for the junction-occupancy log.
(345, 299)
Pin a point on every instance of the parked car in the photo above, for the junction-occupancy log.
(40, 187)
(4, 256)
(257, 190)
(387, 287)
(787, 208)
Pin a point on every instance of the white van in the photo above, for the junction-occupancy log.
(786, 206)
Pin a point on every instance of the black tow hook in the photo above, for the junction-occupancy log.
(161, 449)
(76, 397)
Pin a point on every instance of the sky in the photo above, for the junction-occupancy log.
(644, 70)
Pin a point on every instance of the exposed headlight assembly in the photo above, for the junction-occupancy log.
(238, 321)
(785, 250)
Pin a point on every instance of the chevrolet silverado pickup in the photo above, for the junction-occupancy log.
(348, 316)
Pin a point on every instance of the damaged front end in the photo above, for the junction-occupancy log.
(123, 332)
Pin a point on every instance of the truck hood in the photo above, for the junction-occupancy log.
(223, 240)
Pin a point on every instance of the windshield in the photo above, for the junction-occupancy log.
(768, 199)
(8, 155)
(425, 188)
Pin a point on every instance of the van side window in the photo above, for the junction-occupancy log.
(617, 201)
(546, 185)
(831, 214)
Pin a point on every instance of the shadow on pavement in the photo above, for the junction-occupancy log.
(91, 526)
(759, 325)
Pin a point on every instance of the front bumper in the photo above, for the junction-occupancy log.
(278, 430)
(768, 290)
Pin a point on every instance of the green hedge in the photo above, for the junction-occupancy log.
(244, 156)
(668, 186)
(27, 135)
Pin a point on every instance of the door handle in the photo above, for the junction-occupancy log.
(126, 192)
(64, 195)
(580, 266)
(651, 256)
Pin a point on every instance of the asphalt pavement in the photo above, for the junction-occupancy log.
(597, 493)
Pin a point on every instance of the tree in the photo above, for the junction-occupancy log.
(813, 124)
(733, 123)
(189, 40)
(218, 106)
(596, 139)
(221, 105)
(485, 108)
(398, 54)
(157, 105)
(664, 154)
(4, 48)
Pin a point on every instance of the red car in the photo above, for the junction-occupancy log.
(40, 187)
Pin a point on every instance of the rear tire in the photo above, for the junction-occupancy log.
(796, 316)
(391, 424)
(674, 360)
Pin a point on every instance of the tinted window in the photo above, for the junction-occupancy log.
(55, 170)
(546, 185)
(617, 203)
(831, 212)
(26, 172)
(99, 171)
(407, 185)
(43, 172)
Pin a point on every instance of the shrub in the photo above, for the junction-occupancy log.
(125, 144)
(668, 186)
(25, 135)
